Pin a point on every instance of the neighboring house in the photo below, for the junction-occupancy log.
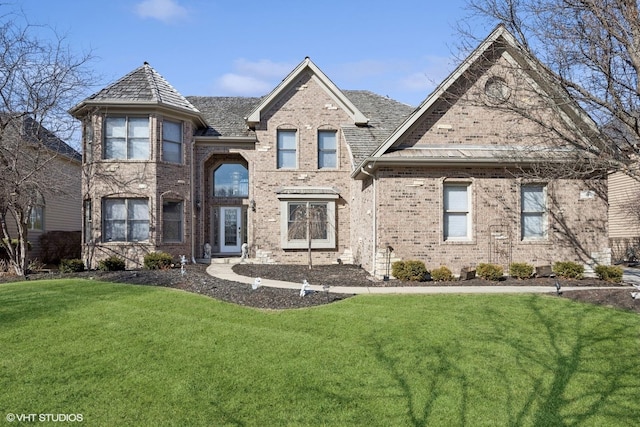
(378, 180)
(60, 207)
(624, 217)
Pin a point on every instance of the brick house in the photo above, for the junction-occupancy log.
(369, 179)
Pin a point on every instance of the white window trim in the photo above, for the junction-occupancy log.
(127, 221)
(128, 156)
(545, 214)
(278, 150)
(329, 242)
(469, 212)
(334, 151)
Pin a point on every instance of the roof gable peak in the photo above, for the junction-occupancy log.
(325, 82)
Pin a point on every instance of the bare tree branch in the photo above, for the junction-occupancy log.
(39, 81)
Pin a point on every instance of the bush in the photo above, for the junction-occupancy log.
(520, 270)
(441, 274)
(158, 261)
(568, 269)
(489, 271)
(56, 246)
(113, 263)
(609, 273)
(73, 265)
(412, 270)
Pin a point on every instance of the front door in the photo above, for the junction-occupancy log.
(230, 229)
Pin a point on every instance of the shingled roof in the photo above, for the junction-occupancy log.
(384, 113)
(227, 118)
(143, 85)
(225, 115)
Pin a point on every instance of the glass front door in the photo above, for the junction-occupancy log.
(230, 229)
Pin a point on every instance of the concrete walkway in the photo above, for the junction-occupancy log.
(224, 271)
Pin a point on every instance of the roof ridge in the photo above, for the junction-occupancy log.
(151, 78)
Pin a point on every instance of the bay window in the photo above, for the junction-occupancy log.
(172, 221)
(125, 220)
(126, 138)
(172, 142)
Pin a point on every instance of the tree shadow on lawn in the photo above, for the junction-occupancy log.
(568, 387)
(566, 367)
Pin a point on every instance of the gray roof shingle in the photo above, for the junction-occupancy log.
(226, 117)
(146, 85)
(385, 115)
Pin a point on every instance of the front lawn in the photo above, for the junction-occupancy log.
(135, 355)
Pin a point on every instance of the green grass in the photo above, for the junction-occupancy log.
(133, 355)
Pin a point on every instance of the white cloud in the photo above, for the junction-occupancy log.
(253, 78)
(162, 10)
(238, 84)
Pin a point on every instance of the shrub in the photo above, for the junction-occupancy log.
(610, 273)
(441, 274)
(158, 261)
(412, 270)
(73, 265)
(520, 270)
(58, 245)
(397, 269)
(113, 263)
(489, 271)
(568, 269)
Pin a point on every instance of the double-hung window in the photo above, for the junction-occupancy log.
(171, 221)
(286, 149)
(126, 138)
(534, 211)
(126, 220)
(327, 149)
(457, 216)
(172, 142)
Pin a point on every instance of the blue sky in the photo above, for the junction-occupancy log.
(401, 49)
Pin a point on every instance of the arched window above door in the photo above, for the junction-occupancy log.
(231, 180)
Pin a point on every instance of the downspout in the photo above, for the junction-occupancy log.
(374, 220)
(193, 202)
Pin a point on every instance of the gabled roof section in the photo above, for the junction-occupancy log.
(500, 35)
(225, 114)
(144, 86)
(34, 132)
(385, 115)
(326, 83)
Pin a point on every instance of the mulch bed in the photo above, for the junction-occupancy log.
(196, 280)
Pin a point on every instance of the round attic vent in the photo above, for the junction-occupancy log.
(497, 89)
